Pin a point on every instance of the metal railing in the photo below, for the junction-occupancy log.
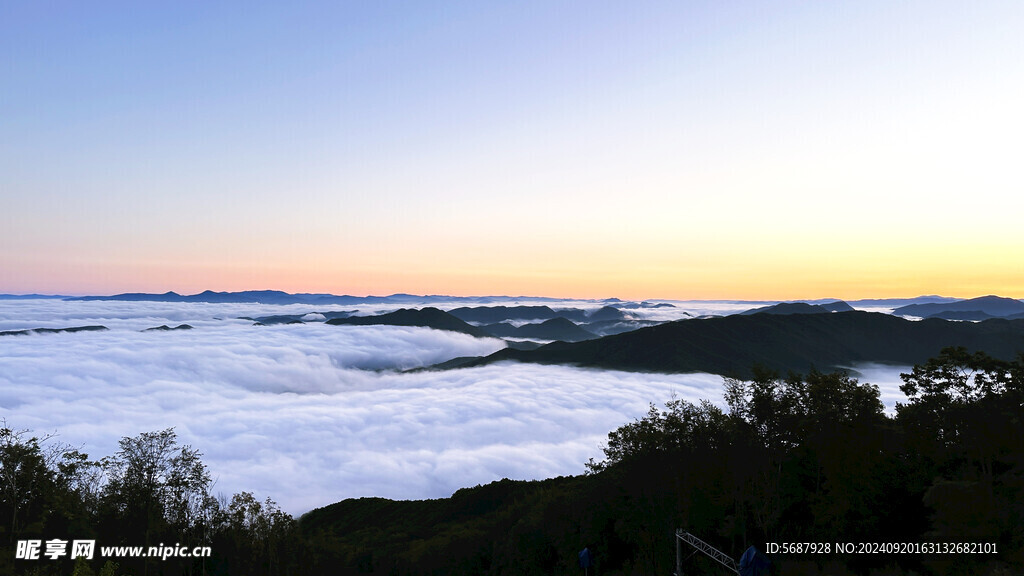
(701, 546)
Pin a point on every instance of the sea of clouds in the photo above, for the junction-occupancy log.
(311, 414)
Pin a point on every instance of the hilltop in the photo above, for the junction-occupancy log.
(971, 309)
(732, 345)
(425, 317)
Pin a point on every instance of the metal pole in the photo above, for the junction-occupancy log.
(679, 554)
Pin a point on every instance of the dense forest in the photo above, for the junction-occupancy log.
(153, 492)
(793, 458)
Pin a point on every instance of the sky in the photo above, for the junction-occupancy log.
(676, 150)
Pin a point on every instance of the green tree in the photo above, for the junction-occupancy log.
(156, 492)
(25, 480)
(254, 537)
(964, 421)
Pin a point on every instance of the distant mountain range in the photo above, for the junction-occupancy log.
(260, 297)
(283, 298)
(930, 299)
(981, 308)
(732, 345)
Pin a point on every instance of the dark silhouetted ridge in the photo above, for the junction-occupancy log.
(53, 330)
(426, 318)
(494, 314)
(837, 306)
(732, 345)
(789, 308)
(968, 315)
(990, 305)
(165, 328)
(605, 314)
(137, 297)
(555, 329)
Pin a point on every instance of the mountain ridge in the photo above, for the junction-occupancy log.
(733, 345)
(428, 317)
(991, 305)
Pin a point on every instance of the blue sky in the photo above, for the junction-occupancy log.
(659, 149)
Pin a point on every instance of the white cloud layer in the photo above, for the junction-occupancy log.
(887, 378)
(311, 414)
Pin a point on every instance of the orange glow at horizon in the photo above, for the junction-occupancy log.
(765, 277)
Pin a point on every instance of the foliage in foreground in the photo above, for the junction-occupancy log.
(152, 492)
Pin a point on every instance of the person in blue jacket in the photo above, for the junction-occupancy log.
(753, 563)
(586, 559)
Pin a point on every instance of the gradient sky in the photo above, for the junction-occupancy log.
(576, 149)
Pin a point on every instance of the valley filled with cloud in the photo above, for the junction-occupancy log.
(310, 414)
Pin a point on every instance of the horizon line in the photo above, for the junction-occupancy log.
(28, 295)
